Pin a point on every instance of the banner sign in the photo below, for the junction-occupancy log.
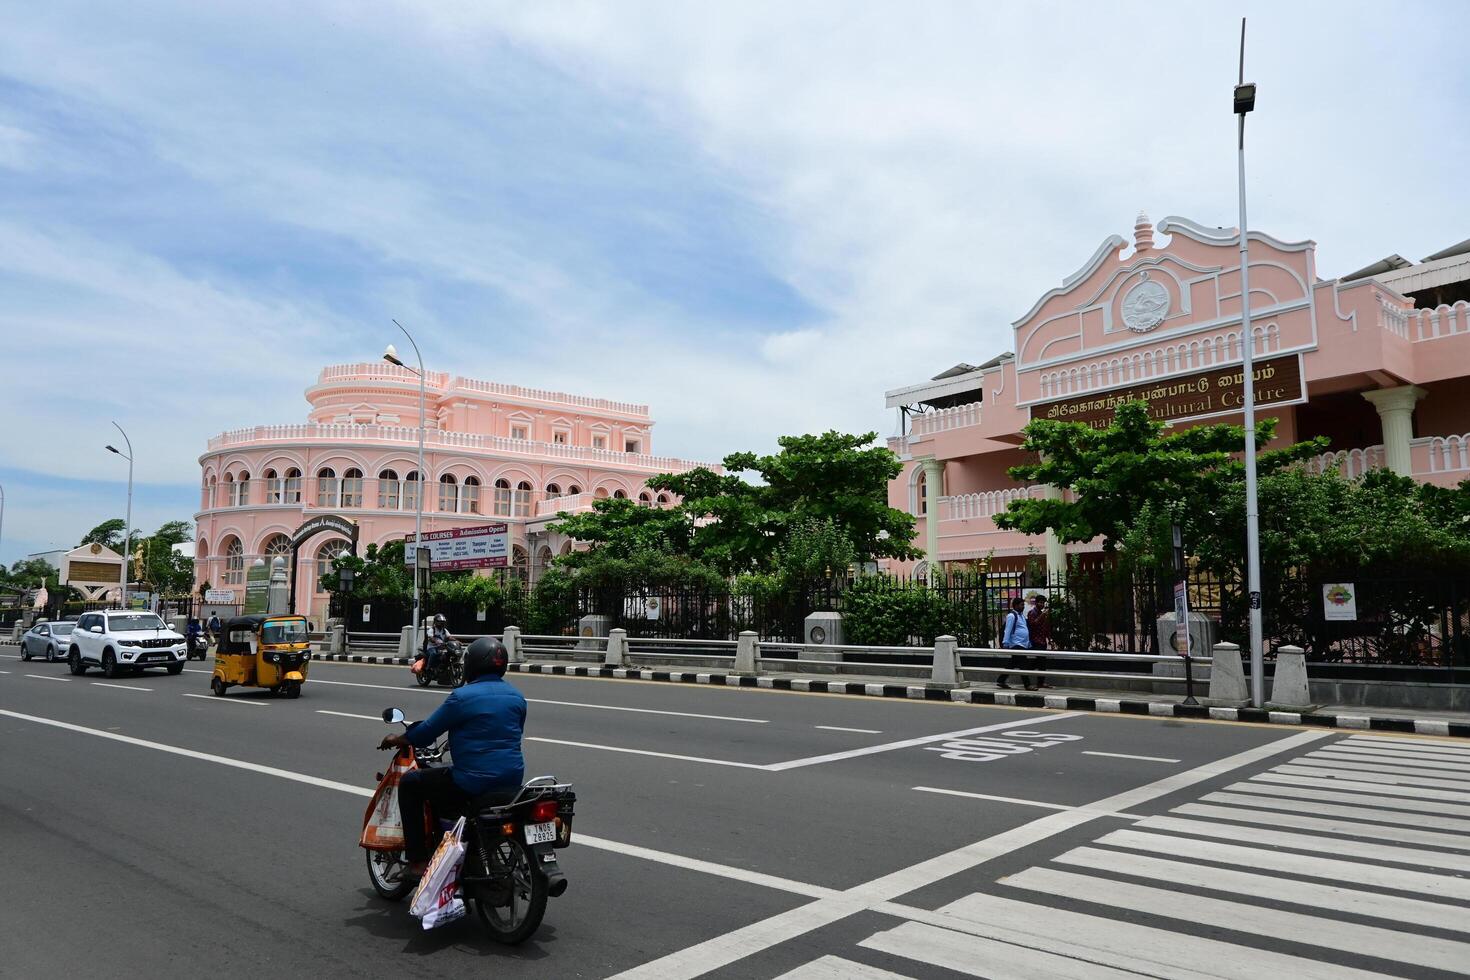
(1217, 391)
(257, 588)
(325, 522)
(220, 597)
(1181, 636)
(1339, 601)
(483, 546)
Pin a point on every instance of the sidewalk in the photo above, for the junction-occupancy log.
(1456, 724)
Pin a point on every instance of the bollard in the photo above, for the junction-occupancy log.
(1227, 677)
(617, 648)
(338, 641)
(405, 644)
(946, 662)
(748, 653)
(1289, 687)
(512, 640)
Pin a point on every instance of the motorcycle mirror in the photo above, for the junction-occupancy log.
(392, 716)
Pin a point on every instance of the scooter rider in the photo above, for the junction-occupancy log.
(438, 639)
(195, 635)
(484, 720)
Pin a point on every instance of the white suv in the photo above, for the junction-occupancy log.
(118, 640)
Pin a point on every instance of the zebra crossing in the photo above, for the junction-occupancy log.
(1349, 860)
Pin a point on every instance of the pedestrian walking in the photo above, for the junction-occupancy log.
(1038, 624)
(1015, 635)
(215, 627)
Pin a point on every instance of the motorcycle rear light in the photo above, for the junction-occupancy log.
(543, 811)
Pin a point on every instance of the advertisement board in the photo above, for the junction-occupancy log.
(1339, 601)
(482, 546)
(257, 588)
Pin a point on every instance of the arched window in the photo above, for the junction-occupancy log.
(234, 561)
(388, 490)
(523, 499)
(326, 487)
(352, 488)
(411, 490)
(277, 546)
(543, 557)
(242, 489)
(663, 500)
(227, 498)
(291, 492)
(644, 500)
(448, 494)
(272, 487)
(921, 503)
(502, 498)
(619, 495)
(324, 558)
(600, 493)
(573, 489)
(519, 562)
(469, 497)
(553, 490)
(210, 498)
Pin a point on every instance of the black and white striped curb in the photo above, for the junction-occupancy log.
(925, 692)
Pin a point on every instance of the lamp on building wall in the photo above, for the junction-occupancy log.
(128, 521)
(391, 356)
(1245, 101)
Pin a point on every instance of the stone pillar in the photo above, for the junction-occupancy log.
(1289, 686)
(1396, 414)
(945, 672)
(747, 653)
(933, 487)
(511, 637)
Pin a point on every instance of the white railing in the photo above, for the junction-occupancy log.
(1447, 454)
(571, 503)
(986, 503)
(346, 431)
(1442, 321)
(1194, 353)
(380, 371)
(1351, 463)
(441, 380)
(945, 419)
(1392, 317)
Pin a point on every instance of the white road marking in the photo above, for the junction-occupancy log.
(1257, 920)
(1376, 905)
(648, 711)
(121, 687)
(47, 677)
(1389, 774)
(879, 893)
(1309, 866)
(1376, 799)
(1348, 828)
(4, 671)
(859, 731)
(907, 743)
(657, 755)
(1398, 763)
(1423, 744)
(707, 867)
(1121, 755)
(1283, 776)
(1395, 752)
(1307, 842)
(837, 968)
(348, 714)
(1012, 799)
(968, 954)
(227, 700)
(1328, 810)
(1120, 944)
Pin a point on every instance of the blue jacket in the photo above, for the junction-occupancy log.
(484, 720)
(1017, 635)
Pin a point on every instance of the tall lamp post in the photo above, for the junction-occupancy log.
(128, 523)
(2, 514)
(391, 356)
(1245, 101)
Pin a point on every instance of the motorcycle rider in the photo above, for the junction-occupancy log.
(437, 641)
(195, 635)
(484, 720)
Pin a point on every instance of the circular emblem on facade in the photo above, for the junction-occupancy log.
(96, 548)
(1145, 306)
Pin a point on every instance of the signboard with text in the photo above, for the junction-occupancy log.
(483, 546)
(1339, 601)
(220, 597)
(257, 588)
(1218, 391)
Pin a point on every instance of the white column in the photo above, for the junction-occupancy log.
(1056, 552)
(933, 487)
(1396, 414)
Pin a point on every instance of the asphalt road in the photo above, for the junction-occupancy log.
(732, 833)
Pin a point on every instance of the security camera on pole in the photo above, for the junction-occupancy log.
(391, 356)
(1245, 101)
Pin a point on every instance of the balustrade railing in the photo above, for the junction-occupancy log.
(1351, 463)
(988, 503)
(945, 419)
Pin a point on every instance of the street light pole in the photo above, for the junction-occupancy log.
(2, 516)
(391, 356)
(128, 522)
(1245, 101)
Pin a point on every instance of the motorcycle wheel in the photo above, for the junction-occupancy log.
(456, 674)
(518, 914)
(385, 871)
(423, 678)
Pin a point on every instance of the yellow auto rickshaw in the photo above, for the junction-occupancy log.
(262, 651)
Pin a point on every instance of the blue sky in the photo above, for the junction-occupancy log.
(755, 217)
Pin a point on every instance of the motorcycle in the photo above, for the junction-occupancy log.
(198, 647)
(448, 667)
(510, 867)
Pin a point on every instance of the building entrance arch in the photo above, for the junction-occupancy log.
(320, 524)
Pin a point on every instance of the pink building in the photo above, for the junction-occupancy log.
(1378, 361)
(492, 452)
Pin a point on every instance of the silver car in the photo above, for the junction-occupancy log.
(48, 640)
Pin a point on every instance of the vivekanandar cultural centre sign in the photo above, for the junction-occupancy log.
(1219, 391)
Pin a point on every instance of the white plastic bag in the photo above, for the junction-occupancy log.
(437, 900)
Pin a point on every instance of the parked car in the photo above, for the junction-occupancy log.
(118, 639)
(49, 640)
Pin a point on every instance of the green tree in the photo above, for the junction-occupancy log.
(619, 528)
(1134, 477)
(163, 568)
(109, 534)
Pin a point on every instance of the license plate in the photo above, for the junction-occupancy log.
(541, 833)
